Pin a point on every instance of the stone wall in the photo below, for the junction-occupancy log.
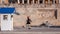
(38, 16)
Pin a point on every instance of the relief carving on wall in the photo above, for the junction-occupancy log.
(46, 13)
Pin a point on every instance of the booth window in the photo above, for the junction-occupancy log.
(5, 17)
(11, 16)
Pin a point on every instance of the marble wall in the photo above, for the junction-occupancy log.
(38, 16)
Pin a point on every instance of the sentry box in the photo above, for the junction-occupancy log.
(7, 18)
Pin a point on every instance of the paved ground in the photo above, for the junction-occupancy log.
(37, 29)
(29, 32)
(33, 30)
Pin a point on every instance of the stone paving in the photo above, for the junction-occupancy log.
(43, 30)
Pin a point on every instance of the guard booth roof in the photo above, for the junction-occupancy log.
(7, 10)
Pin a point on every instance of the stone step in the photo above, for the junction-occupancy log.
(29, 32)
